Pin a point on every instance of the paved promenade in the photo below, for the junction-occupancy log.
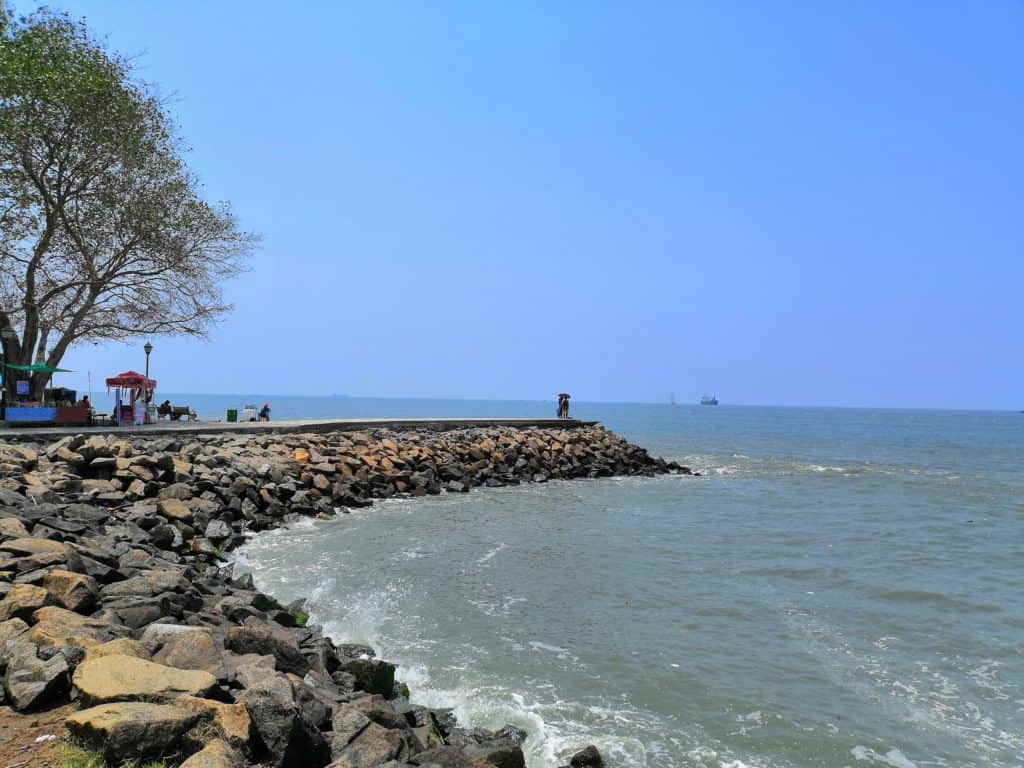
(293, 425)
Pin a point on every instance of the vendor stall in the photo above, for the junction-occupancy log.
(133, 393)
(51, 410)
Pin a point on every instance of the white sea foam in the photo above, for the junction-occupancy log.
(893, 757)
(491, 553)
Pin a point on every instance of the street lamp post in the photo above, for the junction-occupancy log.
(148, 348)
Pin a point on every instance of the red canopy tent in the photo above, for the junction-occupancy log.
(133, 388)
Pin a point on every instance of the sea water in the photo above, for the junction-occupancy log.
(839, 588)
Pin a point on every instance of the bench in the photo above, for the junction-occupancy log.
(177, 411)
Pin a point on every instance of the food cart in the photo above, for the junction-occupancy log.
(133, 393)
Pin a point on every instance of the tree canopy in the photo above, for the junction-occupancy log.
(104, 234)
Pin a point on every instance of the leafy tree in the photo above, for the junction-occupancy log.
(103, 232)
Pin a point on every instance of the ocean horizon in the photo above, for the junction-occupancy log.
(214, 406)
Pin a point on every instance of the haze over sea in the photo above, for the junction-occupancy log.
(840, 588)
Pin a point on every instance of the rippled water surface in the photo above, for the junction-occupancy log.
(841, 588)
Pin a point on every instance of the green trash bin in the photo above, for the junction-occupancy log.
(232, 414)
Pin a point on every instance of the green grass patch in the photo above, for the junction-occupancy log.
(301, 618)
(75, 756)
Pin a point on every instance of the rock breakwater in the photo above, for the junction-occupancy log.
(116, 595)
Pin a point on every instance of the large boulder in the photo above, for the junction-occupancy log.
(290, 740)
(374, 745)
(59, 626)
(268, 640)
(131, 730)
(126, 678)
(123, 646)
(372, 675)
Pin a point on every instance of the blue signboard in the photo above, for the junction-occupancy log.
(22, 387)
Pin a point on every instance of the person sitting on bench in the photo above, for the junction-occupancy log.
(164, 409)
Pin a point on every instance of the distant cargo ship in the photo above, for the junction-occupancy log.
(709, 400)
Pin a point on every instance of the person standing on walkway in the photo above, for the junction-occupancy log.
(563, 405)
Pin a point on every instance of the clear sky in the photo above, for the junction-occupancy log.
(782, 203)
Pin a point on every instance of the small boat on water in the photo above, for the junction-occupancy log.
(709, 400)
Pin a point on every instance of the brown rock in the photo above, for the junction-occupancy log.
(123, 646)
(175, 509)
(374, 745)
(32, 546)
(126, 678)
(232, 720)
(23, 600)
(216, 754)
(74, 591)
(12, 528)
(193, 650)
(130, 730)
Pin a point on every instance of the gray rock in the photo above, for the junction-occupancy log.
(218, 530)
(371, 675)
(373, 746)
(291, 740)
(31, 682)
(132, 730)
(265, 639)
(588, 757)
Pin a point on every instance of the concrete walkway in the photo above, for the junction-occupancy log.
(294, 425)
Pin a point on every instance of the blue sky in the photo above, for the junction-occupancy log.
(783, 203)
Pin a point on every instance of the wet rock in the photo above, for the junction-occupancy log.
(588, 757)
(371, 675)
(499, 755)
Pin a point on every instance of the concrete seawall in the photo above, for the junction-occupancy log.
(283, 427)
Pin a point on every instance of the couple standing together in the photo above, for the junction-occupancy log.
(563, 406)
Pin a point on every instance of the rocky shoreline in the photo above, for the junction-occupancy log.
(116, 596)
